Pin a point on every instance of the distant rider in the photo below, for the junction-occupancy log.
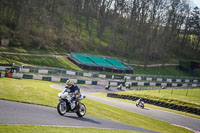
(73, 89)
(139, 100)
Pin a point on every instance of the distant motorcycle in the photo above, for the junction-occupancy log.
(65, 106)
(140, 104)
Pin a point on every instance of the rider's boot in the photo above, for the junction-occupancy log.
(72, 105)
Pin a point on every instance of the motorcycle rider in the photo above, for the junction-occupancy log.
(139, 100)
(73, 89)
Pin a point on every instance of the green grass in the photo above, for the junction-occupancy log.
(51, 129)
(61, 62)
(165, 71)
(104, 95)
(39, 92)
(58, 50)
(175, 96)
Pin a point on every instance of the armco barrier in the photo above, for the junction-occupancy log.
(140, 83)
(141, 80)
(155, 78)
(55, 79)
(27, 76)
(158, 103)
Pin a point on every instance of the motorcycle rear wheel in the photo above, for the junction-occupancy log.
(62, 108)
(81, 110)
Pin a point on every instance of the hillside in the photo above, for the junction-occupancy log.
(95, 27)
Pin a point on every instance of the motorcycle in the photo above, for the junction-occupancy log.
(65, 106)
(140, 104)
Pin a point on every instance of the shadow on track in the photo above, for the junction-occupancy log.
(83, 119)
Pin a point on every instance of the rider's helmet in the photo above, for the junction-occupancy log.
(69, 83)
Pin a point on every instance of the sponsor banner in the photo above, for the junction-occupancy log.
(141, 83)
(187, 80)
(63, 80)
(55, 79)
(87, 74)
(25, 70)
(174, 84)
(102, 76)
(81, 82)
(94, 82)
(169, 84)
(74, 80)
(46, 78)
(27, 76)
(37, 77)
(138, 78)
(158, 84)
(2, 75)
(43, 71)
(109, 76)
(159, 79)
(178, 80)
(195, 81)
(149, 79)
(88, 82)
(3, 68)
(152, 84)
(33, 70)
(194, 85)
(94, 75)
(118, 77)
(113, 83)
(163, 84)
(79, 73)
(128, 83)
(133, 77)
(179, 84)
(169, 80)
(134, 84)
(17, 75)
(146, 84)
(128, 77)
(184, 85)
(121, 83)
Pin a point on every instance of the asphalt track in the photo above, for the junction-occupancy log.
(180, 120)
(29, 114)
(20, 113)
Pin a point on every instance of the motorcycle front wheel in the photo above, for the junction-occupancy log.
(81, 110)
(62, 107)
(142, 106)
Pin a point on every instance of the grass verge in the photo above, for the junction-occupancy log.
(175, 96)
(52, 129)
(61, 62)
(65, 63)
(39, 92)
(150, 106)
(166, 71)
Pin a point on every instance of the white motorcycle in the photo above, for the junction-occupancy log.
(65, 106)
(140, 104)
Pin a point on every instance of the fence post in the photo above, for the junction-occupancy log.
(187, 91)
(172, 91)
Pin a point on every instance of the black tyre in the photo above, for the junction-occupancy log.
(81, 110)
(62, 108)
(142, 106)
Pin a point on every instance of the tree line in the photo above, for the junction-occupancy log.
(147, 29)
